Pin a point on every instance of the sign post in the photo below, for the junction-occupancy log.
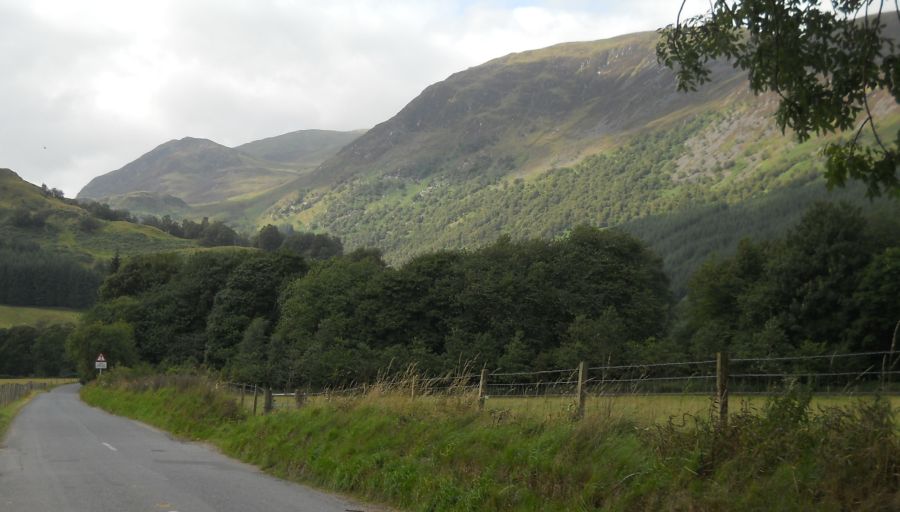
(100, 363)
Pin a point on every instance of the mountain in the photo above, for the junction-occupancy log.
(194, 177)
(194, 170)
(533, 143)
(527, 112)
(301, 149)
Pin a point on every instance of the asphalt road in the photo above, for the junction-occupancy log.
(61, 455)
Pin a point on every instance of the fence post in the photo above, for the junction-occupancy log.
(267, 403)
(299, 398)
(412, 387)
(255, 393)
(582, 378)
(482, 387)
(242, 395)
(722, 386)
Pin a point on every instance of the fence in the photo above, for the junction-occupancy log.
(843, 374)
(9, 393)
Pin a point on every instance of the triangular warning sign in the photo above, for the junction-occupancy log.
(101, 358)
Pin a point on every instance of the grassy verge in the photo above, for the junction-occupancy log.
(417, 455)
(8, 412)
(52, 381)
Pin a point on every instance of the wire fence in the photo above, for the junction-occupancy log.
(838, 373)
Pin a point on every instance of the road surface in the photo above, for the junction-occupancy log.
(61, 455)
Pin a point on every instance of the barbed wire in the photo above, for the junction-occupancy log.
(827, 374)
(651, 365)
(803, 358)
(462, 383)
(540, 372)
(650, 379)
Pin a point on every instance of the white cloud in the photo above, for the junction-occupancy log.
(100, 82)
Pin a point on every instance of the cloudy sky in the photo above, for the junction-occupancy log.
(89, 86)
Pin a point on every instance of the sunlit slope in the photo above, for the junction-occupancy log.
(63, 228)
(192, 178)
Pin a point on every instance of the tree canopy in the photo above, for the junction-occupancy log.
(823, 65)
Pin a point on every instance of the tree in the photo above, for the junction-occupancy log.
(115, 263)
(824, 66)
(116, 341)
(50, 359)
(269, 238)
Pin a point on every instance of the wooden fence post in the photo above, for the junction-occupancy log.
(722, 386)
(412, 387)
(242, 395)
(582, 378)
(268, 405)
(482, 387)
(299, 398)
(255, 392)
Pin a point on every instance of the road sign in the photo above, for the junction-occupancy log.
(100, 363)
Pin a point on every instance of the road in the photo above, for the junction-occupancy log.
(61, 455)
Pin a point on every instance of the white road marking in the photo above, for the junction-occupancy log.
(111, 447)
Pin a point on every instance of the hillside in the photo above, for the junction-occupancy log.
(57, 226)
(193, 170)
(526, 112)
(53, 253)
(192, 178)
(303, 149)
(535, 143)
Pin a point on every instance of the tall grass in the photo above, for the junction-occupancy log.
(442, 454)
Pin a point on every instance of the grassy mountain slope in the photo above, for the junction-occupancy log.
(303, 149)
(63, 231)
(191, 178)
(194, 170)
(525, 112)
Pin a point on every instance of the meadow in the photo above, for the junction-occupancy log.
(642, 409)
(14, 315)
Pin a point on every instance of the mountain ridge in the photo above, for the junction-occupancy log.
(200, 171)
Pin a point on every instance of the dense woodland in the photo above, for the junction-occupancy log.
(32, 277)
(831, 283)
(35, 351)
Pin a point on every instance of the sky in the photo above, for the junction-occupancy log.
(90, 85)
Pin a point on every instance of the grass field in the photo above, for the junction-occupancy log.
(646, 409)
(442, 454)
(13, 315)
